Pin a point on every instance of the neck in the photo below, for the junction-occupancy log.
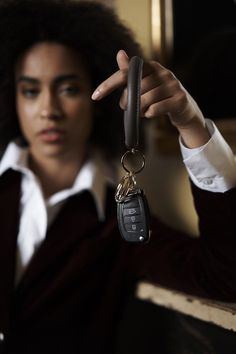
(55, 174)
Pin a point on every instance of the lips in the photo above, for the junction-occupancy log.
(52, 135)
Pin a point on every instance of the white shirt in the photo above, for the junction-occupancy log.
(36, 212)
(211, 167)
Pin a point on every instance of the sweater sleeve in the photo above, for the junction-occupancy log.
(202, 266)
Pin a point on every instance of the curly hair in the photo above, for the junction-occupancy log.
(93, 29)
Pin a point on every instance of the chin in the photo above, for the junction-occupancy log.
(52, 151)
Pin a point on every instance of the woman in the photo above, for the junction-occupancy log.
(69, 273)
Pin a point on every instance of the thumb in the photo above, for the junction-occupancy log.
(122, 60)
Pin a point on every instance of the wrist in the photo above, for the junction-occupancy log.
(194, 133)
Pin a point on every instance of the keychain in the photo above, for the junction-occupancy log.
(132, 206)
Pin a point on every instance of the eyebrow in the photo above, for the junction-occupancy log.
(57, 80)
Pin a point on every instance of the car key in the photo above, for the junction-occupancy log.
(133, 217)
(132, 206)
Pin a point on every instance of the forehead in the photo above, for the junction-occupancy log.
(47, 60)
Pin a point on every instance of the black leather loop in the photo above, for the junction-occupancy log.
(132, 114)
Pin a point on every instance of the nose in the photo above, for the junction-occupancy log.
(50, 107)
(50, 114)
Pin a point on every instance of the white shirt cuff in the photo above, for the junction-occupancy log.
(212, 166)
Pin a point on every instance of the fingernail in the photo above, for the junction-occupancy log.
(148, 114)
(122, 51)
(96, 95)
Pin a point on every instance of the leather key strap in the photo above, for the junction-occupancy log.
(132, 114)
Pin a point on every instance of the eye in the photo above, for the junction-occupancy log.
(29, 92)
(70, 90)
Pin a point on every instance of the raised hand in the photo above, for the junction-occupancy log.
(161, 94)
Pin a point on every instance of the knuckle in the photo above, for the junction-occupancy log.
(182, 98)
(167, 75)
(180, 103)
(176, 85)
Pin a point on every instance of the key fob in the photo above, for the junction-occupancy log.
(133, 217)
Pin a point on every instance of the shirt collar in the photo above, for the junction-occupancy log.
(16, 158)
(93, 176)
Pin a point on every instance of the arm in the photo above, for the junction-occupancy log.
(212, 166)
(207, 156)
(202, 266)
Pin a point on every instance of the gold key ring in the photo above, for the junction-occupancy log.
(133, 154)
(126, 185)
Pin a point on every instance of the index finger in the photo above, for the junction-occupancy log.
(118, 79)
(115, 81)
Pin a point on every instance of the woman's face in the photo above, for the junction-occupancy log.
(53, 103)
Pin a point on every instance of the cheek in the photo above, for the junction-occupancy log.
(83, 116)
(25, 109)
(25, 114)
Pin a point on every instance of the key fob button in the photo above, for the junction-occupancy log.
(132, 219)
(131, 211)
(133, 203)
(134, 227)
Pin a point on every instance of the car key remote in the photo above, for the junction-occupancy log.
(133, 217)
(132, 206)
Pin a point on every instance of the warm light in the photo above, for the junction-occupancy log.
(162, 29)
(156, 26)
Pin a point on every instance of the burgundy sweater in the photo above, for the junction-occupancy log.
(71, 297)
